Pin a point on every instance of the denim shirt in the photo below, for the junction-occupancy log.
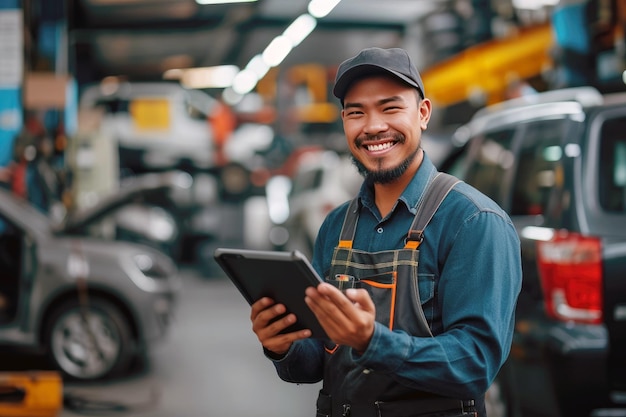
(472, 251)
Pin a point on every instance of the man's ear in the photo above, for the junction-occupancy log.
(425, 108)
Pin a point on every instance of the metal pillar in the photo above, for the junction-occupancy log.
(11, 77)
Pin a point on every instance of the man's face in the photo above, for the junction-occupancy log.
(383, 120)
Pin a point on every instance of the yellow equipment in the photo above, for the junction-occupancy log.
(488, 69)
(30, 394)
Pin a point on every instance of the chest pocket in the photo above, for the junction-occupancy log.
(398, 303)
(383, 288)
(391, 279)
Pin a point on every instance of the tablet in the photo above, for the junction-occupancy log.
(282, 276)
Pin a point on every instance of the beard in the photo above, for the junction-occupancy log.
(385, 176)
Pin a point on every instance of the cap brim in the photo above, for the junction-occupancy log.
(347, 78)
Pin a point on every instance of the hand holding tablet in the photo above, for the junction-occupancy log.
(282, 276)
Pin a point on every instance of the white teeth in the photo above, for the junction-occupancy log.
(379, 147)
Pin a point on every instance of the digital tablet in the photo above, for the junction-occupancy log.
(282, 276)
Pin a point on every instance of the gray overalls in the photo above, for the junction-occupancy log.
(390, 277)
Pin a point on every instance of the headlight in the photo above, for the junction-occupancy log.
(149, 267)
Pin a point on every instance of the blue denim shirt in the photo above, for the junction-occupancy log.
(472, 251)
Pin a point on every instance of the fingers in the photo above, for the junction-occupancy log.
(259, 306)
(348, 319)
(361, 298)
(332, 300)
(267, 324)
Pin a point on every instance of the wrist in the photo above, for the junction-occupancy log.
(274, 355)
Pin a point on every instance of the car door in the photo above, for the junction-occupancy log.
(605, 192)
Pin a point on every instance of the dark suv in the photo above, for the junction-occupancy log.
(556, 162)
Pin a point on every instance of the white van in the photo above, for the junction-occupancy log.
(158, 125)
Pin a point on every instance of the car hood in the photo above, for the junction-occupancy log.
(102, 257)
(130, 190)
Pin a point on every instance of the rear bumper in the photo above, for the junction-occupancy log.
(578, 357)
(570, 360)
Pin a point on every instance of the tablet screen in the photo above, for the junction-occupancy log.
(282, 276)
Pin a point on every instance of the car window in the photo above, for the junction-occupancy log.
(492, 157)
(539, 154)
(612, 178)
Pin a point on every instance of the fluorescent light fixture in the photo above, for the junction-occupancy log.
(223, 1)
(231, 97)
(277, 50)
(258, 66)
(173, 74)
(533, 4)
(244, 82)
(220, 76)
(300, 28)
(320, 8)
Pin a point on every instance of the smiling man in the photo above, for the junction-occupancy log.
(435, 266)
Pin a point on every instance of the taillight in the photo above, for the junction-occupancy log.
(570, 267)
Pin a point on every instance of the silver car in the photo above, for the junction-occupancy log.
(92, 305)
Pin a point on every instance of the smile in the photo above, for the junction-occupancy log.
(379, 147)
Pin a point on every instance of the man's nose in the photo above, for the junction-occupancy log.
(375, 123)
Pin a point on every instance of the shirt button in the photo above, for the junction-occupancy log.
(379, 230)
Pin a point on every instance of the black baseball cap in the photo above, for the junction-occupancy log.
(369, 61)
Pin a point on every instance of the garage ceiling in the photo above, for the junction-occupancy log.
(143, 38)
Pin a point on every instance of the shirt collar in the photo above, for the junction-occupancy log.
(413, 192)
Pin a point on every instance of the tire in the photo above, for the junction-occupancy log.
(71, 350)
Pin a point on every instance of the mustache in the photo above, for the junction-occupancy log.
(396, 137)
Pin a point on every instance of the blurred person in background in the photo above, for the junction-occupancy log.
(37, 172)
(379, 361)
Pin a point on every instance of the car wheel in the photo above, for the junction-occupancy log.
(91, 342)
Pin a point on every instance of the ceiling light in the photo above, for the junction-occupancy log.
(211, 77)
(244, 82)
(231, 97)
(534, 4)
(220, 76)
(320, 8)
(223, 1)
(258, 66)
(300, 28)
(277, 50)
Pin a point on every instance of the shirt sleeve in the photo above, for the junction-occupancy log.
(477, 291)
(303, 363)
